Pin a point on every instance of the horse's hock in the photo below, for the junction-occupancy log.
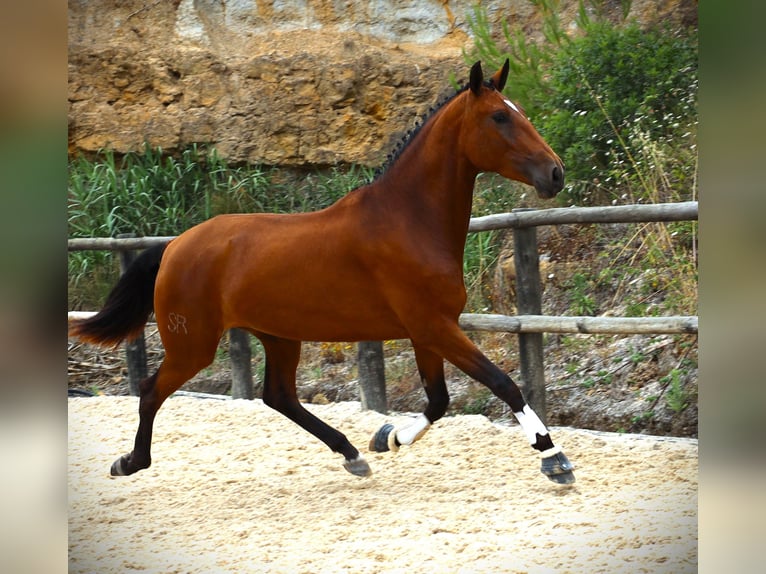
(288, 84)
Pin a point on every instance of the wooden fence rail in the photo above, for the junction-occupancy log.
(657, 212)
(678, 325)
(529, 324)
(583, 325)
(115, 243)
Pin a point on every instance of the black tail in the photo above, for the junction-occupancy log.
(127, 307)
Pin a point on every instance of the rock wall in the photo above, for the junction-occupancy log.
(292, 83)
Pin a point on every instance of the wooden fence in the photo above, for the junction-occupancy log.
(530, 324)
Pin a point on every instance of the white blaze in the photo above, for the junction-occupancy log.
(511, 105)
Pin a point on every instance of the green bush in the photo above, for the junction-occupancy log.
(599, 96)
(613, 89)
(151, 193)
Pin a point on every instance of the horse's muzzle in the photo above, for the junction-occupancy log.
(548, 181)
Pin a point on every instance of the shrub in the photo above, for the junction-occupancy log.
(613, 90)
(598, 95)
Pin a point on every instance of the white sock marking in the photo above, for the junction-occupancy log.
(414, 430)
(550, 452)
(531, 424)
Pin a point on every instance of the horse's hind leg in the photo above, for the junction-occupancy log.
(279, 393)
(140, 457)
(431, 370)
(175, 370)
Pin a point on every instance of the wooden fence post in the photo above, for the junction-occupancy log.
(135, 351)
(241, 370)
(529, 302)
(372, 376)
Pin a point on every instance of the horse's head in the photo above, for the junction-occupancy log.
(498, 137)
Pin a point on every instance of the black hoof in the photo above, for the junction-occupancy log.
(357, 466)
(118, 467)
(127, 464)
(379, 442)
(558, 469)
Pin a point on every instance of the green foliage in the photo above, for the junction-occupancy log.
(152, 193)
(581, 300)
(528, 61)
(618, 103)
(676, 396)
(478, 403)
(642, 418)
(603, 377)
(479, 258)
(598, 96)
(614, 90)
(496, 194)
(145, 194)
(492, 194)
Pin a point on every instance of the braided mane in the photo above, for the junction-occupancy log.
(412, 134)
(405, 141)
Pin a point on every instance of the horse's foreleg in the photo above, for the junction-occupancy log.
(461, 352)
(279, 393)
(431, 369)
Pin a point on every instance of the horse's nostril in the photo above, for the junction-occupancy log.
(557, 174)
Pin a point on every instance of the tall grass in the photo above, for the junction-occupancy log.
(662, 257)
(492, 194)
(152, 193)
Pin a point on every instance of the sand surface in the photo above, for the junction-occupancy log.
(236, 487)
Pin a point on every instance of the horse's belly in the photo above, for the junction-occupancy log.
(319, 316)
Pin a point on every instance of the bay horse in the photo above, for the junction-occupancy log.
(383, 262)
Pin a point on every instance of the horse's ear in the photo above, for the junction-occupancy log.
(477, 77)
(501, 76)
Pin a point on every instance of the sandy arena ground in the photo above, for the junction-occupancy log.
(236, 487)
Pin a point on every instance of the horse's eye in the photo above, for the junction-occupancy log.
(501, 117)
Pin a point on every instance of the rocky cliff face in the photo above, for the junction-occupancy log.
(307, 82)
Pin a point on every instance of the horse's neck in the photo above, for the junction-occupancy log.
(432, 184)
